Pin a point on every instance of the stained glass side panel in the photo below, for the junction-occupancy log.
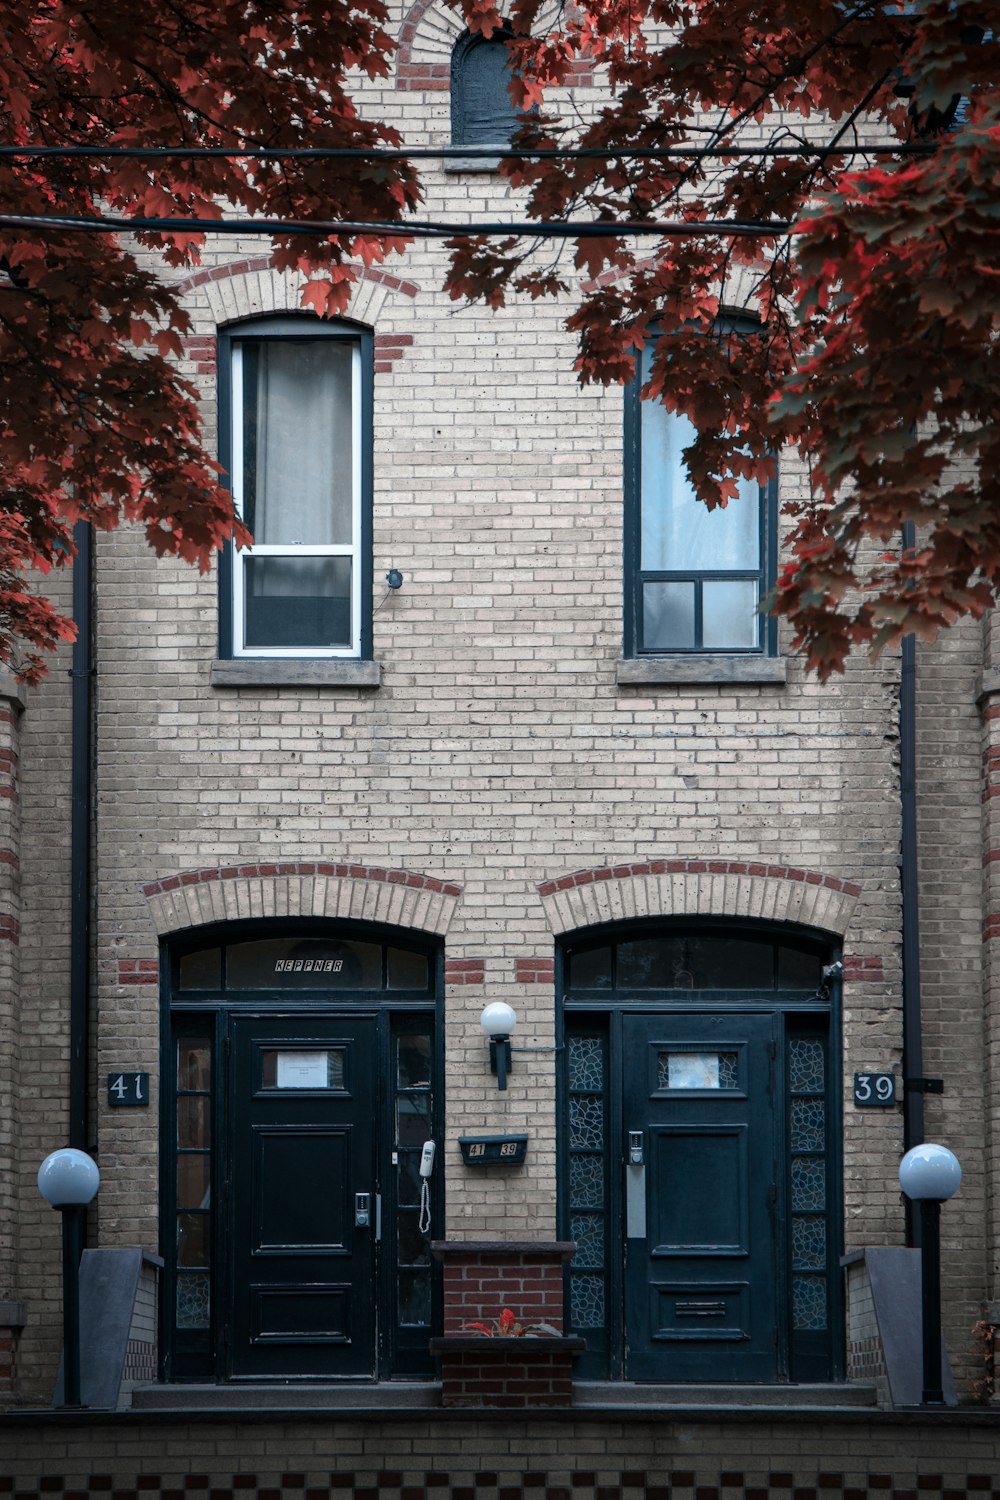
(807, 1142)
(192, 1180)
(586, 1175)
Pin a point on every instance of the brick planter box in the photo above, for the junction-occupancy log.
(511, 1372)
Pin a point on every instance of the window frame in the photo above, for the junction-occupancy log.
(303, 328)
(636, 577)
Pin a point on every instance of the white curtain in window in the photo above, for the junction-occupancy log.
(305, 465)
(679, 533)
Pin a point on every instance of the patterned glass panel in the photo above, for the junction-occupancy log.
(808, 1243)
(586, 1181)
(193, 1301)
(586, 1123)
(586, 1300)
(588, 1232)
(808, 1184)
(586, 1062)
(809, 1302)
(808, 1130)
(805, 1061)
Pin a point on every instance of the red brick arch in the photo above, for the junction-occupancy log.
(698, 887)
(301, 888)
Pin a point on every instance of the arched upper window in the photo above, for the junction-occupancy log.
(482, 112)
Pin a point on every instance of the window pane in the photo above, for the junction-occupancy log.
(194, 1065)
(405, 970)
(798, 970)
(297, 601)
(201, 970)
(193, 1180)
(667, 616)
(729, 610)
(298, 464)
(591, 969)
(304, 963)
(678, 532)
(413, 1061)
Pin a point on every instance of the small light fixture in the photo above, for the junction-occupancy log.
(69, 1179)
(498, 1021)
(394, 578)
(930, 1175)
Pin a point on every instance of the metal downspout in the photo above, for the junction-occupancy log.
(80, 825)
(913, 1062)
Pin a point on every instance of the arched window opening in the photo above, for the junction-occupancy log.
(482, 111)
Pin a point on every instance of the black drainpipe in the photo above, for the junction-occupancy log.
(80, 821)
(913, 1062)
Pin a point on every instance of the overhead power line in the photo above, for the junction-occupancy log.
(456, 153)
(424, 229)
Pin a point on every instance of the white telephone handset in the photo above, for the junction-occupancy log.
(426, 1168)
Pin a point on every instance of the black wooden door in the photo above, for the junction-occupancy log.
(701, 1300)
(302, 1170)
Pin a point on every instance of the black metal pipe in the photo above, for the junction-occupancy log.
(81, 756)
(913, 1063)
(932, 1393)
(72, 1239)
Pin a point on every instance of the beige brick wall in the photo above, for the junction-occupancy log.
(498, 755)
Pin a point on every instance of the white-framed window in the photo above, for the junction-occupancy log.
(296, 440)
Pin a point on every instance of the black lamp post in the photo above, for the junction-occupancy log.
(68, 1180)
(930, 1175)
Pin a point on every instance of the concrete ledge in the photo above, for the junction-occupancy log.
(12, 1314)
(14, 691)
(648, 671)
(481, 1346)
(256, 671)
(543, 1249)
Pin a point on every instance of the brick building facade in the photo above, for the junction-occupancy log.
(311, 870)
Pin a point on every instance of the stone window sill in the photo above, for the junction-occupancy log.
(475, 163)
(250, 671)
(651, 671)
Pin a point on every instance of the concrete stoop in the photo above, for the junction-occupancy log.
(403, 1396)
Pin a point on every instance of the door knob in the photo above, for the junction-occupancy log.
(362, 1210)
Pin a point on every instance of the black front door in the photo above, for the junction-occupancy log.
(699, 1138)
(302, 1196)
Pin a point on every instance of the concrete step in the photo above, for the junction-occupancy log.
(826, 1396)
(287, 1395)
(406, 1395)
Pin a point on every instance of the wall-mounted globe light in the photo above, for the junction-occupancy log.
(498, 1021)
(68, 1178)
(930, 1172)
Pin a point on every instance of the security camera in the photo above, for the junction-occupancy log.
(834, 970)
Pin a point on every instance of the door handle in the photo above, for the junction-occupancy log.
(362, 1210)
(635, 1187)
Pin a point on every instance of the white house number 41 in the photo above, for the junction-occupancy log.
(128, 1089)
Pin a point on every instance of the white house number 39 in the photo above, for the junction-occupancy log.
(874, 1090)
